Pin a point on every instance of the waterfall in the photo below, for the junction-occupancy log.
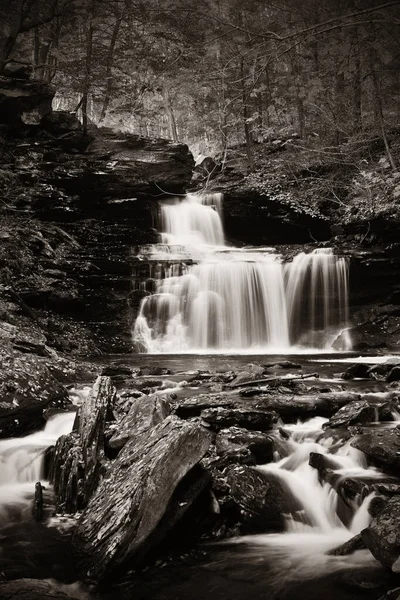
(22, 462)
(206, 296)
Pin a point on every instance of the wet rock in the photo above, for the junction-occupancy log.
(382, 447)
(118, 524)
(394, 375)
(355, 543)
(251, 372)
(235, 438)
(80, 456)
(144, 414)
(357, 371)
(261, 499)
(323, 462)
(221, 418)
(115, 370)
(361, 411)
(192, 407)
(27, 388)
(382, 537)
(30, 589)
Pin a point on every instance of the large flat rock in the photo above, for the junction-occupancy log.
(121, 519)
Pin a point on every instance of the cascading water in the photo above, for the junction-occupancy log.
(235, 299)
(22, 463)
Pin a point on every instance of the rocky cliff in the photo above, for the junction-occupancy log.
(73, 205)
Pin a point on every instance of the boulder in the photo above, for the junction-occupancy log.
(27, 388)
(235, 439)
(120, 520)
(220, 418)
(382, 448)
(382, 537)
(361, 411)
(357, 371)
(261, 499)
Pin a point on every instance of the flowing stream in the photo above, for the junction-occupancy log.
(205, 296)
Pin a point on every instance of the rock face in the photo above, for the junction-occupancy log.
(79, 457)
(382, 448)
(131, 500)
(103, 187)
(382, 537)
(22, 100)
(27, 388)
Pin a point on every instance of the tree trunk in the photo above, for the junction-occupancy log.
(171, 116)
(246, 115)
(357, 89)
(88, 65)
(110, 63)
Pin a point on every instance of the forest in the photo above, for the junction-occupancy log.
(216, 74)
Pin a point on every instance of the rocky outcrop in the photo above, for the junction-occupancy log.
(79, 458)
(24, 102)
(382, 537)
(123, 514)
(27, 389)
(381, 447)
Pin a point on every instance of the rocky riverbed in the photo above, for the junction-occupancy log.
(162, 462)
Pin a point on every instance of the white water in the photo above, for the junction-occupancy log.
(235, 300)
(22, 462)
(300, 553)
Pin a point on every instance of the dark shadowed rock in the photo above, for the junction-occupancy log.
(261, 499)
(358, 370)
(382, 448)
(220, 418)
(394, 375)
(382, 537)
(235, 439)
(322, 462)
(131, 500)
(30, 589)
(60, 122)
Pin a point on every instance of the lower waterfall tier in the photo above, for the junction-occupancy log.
(246, 301)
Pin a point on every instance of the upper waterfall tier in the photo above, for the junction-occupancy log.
(192, 221)
(236, 299)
